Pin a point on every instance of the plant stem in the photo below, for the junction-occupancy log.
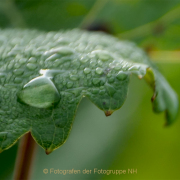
(12, 13)
(92, 15)
(25, 157)
(147, 29)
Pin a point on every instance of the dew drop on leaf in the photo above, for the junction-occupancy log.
(121, 76)
(74, 77)
(31, 66)
(87, 70)
(69, 84)
(39, 92)
(96, 81)
(102, 54)
(99, 70)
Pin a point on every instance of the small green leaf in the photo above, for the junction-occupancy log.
(43, 79)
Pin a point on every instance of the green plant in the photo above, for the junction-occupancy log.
(45, 75)
(157, 33)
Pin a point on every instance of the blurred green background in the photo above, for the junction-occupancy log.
(133, 137)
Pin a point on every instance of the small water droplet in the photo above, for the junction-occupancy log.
(39, 92)
(110, 89)
(3, 136)
(96, 81)
(17, 65)
(18, 80)
(10, 65)
(121, 76)
(102, 54)
(2, 112)
(18, 71)
(100, 63)
(87, 70)
(111, 79)
(66, 65)
(112, 65)
(94, 91)
(118, 66)
(102, 92)
(64, 83)
(133, 68)
(62, 50)
(88, 76)
(77, 92)
(31, 66)
(142, 71)
(76, 64)
(84, 59)
(32, 60)
(69, 84)
(22, 60)
(93, 63)
(53, 57)
(74, 71)
(74, 77)
(99, 70)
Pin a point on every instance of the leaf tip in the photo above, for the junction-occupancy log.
(48, 151)
(153, 97)
(108, 113)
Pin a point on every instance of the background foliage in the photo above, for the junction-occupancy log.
(133, 137)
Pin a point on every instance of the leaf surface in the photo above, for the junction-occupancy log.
(44, 76)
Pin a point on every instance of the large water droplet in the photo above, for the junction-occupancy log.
(39, 92)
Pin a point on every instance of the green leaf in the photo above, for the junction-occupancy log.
(43, 77)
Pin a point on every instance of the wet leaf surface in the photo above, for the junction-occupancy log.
(44, 76)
